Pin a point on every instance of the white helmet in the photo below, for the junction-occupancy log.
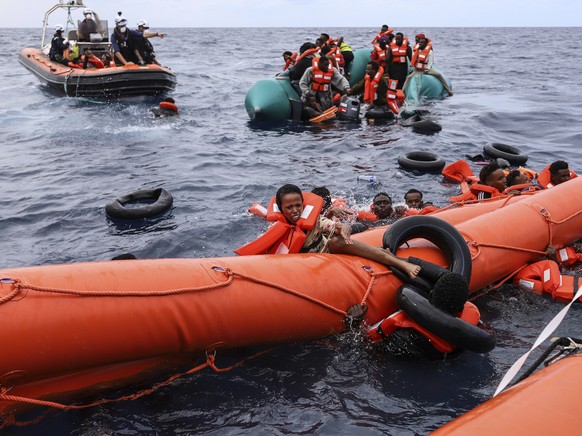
(143, 23)
(87, 11)
(120, 20)
(59, 28)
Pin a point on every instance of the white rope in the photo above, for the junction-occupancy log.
(545, 334)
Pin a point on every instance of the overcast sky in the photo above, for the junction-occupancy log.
(314, 13)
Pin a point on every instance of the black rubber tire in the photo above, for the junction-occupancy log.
(426, 126)
(448, 327)
(508, 152)
(421, 160)
(442, 234)
(163, 200)
(379, 114)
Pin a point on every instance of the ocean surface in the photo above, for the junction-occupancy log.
(64, 158)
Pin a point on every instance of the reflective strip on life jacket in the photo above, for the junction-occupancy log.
(399, 52)
(567, 256)
(321, 79)
(420, 58)
(371, 86)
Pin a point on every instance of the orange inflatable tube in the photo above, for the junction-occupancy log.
(81, 327)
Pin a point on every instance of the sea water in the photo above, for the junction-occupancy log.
(64, 158)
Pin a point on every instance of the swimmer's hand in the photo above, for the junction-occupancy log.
(338, 213)
(354, 315)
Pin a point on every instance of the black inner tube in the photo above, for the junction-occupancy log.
(161, 200)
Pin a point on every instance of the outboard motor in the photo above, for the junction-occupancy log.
(349, 109)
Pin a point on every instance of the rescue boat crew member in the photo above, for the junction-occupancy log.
(322, 234)
(87, 26)
(422, 63)
(58, 46)
(397, 57)
(318, 81)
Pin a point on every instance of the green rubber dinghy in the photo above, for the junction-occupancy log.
(424, 86)
(275, 99)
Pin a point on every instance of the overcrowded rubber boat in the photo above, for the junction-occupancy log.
(109, 82)
(77, 331)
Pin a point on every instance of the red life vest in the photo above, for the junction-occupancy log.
(394, 96)
(321, 79)
(544, 276)
(258, 209)
(306, 53)
(168, 105)
(474, 192)
(290, 61)
(371, 86)
(94, 60)
(400, 319)
(428, 44)
(420, 58)
(282, 237)
(567, 256)
(399, 52)
(521, 187)
(380, 55)
(381, 34)
(545, 177)
(336, 56)
(459, 171)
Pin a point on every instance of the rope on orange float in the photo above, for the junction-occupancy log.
(19, 286)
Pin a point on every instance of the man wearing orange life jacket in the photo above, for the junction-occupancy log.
(398, 55)
(89, 60)
(402, 337)
(289, 59)
(492, 184)
(379, 52)
(321, 234)
(422, 63)
(319, 79)
(516, 180)
(167, 108)
(385, 32)
(554, 174)
(373, 85)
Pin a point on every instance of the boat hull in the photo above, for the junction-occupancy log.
(114, 82)
(424, 86)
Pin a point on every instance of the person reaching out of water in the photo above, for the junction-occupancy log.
(301, 228)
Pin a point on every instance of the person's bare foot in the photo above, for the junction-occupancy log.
(411, 269)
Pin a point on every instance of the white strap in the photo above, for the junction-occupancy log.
(545, 334)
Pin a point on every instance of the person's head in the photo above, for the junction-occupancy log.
(516, 177)
(324, 193)
(88, 14)
(422, 43)
(384, 28)
(324, 36)
(492, 175)
(559, 172)
(418, 37)
(88, 53)
(306, 46)
(120, 23)
(320, 42)
(169, 100)
(383, 42)
(399, 38)
(325, 49)
(382, 204)
(59, 29)
(450, 293)
(142, 25)
(287, 55)
(372, 68)
(124, 256)
(324, 63)
(413, 198)
(290, 202)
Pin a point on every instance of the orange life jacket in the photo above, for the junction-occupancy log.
(567, 256)
(290, 61)
(321, 79)
(428, 44)
(394, 96)
(371, 86)
(258, 209)
(94, 60)
(544, 276)
(381, 54)
(168, 105)
(399, 52)
(336, 55)
(522, 187)
(306, 53)
(420, 58)
(381, 34)
(282, 237)
(367, 216)
(459, 171)
(545, 177)
(400, 319)
(424, 211)
(474, 192)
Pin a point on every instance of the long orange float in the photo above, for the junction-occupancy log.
(75, 329)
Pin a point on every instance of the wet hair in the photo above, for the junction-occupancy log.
(381, 194)
(450, 293)
(324, 193)
(557, 166)
(413, 191)
(306, 46)
(324, 36)
(510, 178)
(287, 53)
(486, 172)
(284, 190)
